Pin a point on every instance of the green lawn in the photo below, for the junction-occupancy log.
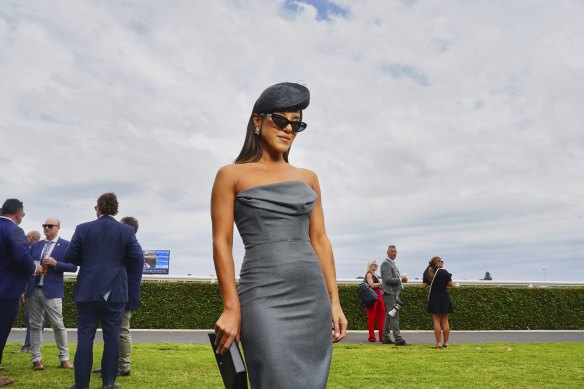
(492, 365)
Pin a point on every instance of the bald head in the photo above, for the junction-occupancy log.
(51, 228)
(32, 237)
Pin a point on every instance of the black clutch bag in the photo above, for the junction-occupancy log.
(230, 365)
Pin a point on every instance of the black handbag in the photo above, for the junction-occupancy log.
(366, 293)
(230, 365)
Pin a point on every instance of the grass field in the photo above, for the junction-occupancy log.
(492, 365)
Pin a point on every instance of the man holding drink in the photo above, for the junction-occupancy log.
(45, 293)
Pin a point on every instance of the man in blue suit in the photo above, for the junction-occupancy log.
(45, 293)
(16, 266)
(103, 249)
(134, 282)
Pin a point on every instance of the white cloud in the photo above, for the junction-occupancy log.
(447, 128)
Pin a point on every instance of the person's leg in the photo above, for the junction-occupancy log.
(26, 345)
(54, 309)
(445, 328)
(394, 322)
(36, 314)
(125, 343)
(394, 326)
(87, 318)
(437, 330)
(111, 318)
(9, 309)
(380, 316)
(388, 301)
(371, 322)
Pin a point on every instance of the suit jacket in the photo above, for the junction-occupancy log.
(103, 248)
(53, 282)
(16, 264)
(134, 272)
(391, 280)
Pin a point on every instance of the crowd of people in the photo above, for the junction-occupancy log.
(110, 261)
(384, 312)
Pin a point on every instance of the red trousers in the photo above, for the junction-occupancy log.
(376, 315)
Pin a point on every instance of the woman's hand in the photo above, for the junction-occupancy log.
(227, 329)
(340, 323)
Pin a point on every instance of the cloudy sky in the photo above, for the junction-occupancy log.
(448, 128)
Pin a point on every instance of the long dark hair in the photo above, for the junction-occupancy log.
(252, 148)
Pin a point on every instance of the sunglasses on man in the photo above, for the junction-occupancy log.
(49, 226)
(282, 122)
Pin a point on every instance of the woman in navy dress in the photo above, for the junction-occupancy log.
(439, 304)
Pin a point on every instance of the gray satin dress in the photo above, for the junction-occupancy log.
(285, 307)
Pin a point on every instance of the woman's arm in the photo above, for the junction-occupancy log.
(322, 247)
(222, 208)
(372, 284)
(449, 283)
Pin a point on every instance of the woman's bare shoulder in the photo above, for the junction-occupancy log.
(307, 174)
(228, 174)
(309, 177)
(234, 168)
(240, 175)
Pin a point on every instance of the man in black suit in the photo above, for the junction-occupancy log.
(102, 249)
(16, 266)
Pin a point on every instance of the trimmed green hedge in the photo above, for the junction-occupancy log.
(197, 305)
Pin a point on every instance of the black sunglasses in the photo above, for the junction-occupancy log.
(281, 122)
(49, 226)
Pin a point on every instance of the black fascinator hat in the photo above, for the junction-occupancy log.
(282, 97)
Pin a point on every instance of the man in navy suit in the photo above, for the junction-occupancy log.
(45, 293)
(134, 281)
(16, 266)
(103, 249)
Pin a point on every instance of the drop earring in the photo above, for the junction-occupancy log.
(257, 131)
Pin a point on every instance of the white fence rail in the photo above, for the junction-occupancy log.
(355, 281)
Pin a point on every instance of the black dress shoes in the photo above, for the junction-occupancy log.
(124, 373)
(389, 341)
(401, 342)
(112, 386)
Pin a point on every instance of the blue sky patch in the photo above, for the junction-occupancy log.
(325, 8)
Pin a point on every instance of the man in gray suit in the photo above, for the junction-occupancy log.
(392, 284)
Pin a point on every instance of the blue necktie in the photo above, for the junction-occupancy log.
(45, 252)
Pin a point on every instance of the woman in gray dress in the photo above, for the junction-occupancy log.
(287, 299)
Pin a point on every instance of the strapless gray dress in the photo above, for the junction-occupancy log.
(285, 307)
